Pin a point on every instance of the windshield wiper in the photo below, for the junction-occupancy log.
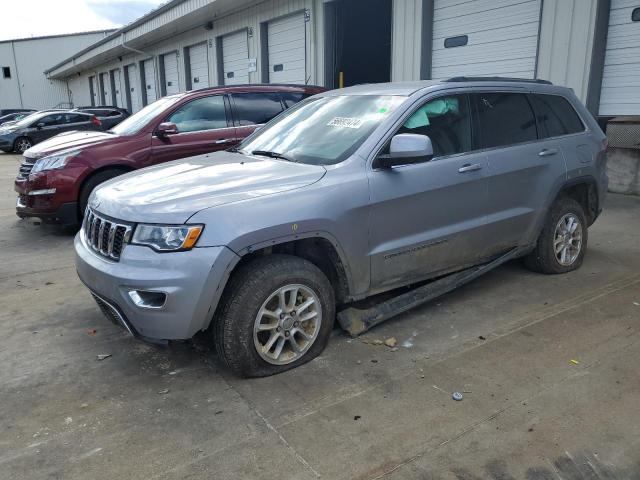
(267, 153)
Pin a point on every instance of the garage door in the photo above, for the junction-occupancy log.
(132, 84)
(620, 93)
(118, 88)
(287, 49)
(198, 66)
(235, 58)
(171, 81)
(150, 80)
(105, 83)
(485, 37)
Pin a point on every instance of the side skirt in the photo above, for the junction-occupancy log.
(357, 321)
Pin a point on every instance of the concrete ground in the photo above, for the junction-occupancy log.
(548, 366)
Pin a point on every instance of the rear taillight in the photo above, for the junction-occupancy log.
(96, 121)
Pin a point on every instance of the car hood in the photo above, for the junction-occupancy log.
(172, 192)
(70, 140)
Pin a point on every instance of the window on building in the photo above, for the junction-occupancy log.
(447, 122)
(6, 72)
(635, 15)
(504, 119)
(555, 116)
(458, 41)
(206, 113)
(256, 108)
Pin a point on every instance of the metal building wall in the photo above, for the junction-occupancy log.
(33, 57)
(249, 18)
(406, 45)
(566, 43)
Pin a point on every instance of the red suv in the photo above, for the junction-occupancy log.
(57, 176)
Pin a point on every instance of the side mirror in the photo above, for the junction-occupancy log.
(405, 149)
(166, 128)
(40, 125)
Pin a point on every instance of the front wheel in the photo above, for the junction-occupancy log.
(22, 144)
(562, 242)
(277, 313)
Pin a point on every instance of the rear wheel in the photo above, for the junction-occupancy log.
(22, 144)
(276, 314)
(91, 184)
(562, 243)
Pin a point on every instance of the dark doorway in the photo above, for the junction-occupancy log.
(357, 42)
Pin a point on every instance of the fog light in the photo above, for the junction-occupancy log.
(48, 191)
(146, 299)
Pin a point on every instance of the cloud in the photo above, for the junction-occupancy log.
(35, 18)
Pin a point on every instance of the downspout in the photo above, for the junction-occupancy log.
(15, 62)
(155, 61)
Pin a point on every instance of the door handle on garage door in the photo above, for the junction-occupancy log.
(547, 152)
(467, 167)
(224, 140)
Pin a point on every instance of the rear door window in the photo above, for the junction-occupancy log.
(256, 108)
(555, 116)
(75, 118)
(504, 119)
(206, 113)
(447, 122)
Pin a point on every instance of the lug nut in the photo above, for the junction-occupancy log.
(296, 323)
(282, 316)
(279, 329)
(293, 313)
(286, 334)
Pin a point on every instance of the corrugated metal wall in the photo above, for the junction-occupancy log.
(406, 42)
(33, 57)
(566, 43)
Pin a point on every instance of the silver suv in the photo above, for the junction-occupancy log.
(349, 194)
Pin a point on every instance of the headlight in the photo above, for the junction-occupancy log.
(53, 162)
(167, 238)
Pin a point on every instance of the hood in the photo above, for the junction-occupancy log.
(70, 140)
(172, 192)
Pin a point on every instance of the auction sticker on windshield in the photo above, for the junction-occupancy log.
(345, 122)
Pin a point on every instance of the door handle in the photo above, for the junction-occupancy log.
(223, 141)
(467, 167)
(547, 152)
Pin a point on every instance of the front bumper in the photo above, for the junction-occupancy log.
(192, 280)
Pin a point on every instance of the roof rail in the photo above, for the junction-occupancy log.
(498, 79)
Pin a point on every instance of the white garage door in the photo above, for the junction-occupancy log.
(150, 80)
(235, 58)
(287, 49)
(119, 89)
(199, 66)
(134, 95)
(493, 37)
(105, 82)
(171, 80)
(620, 93)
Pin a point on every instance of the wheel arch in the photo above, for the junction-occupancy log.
(114, 166)
(583, 190)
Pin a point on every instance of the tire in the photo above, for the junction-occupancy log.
(22, 144)
(543, 258)
(6, 150)
(251, 291)
(91, 184)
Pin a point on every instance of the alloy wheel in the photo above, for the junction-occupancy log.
(567, 240)
(287, 324)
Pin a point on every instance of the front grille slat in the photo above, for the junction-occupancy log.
(25, 168)
(105, 237)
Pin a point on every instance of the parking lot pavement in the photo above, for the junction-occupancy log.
(547, 365)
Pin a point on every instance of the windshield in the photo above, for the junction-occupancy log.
(322, 131)
(135, 123)
(26, 121)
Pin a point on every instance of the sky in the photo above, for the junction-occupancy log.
(35, 18)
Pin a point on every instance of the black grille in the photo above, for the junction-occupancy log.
(104, 236)
(107, 310)
(25, 167)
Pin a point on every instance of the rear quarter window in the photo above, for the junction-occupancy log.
(555, 116)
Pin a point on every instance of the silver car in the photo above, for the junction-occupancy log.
(349, 194)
